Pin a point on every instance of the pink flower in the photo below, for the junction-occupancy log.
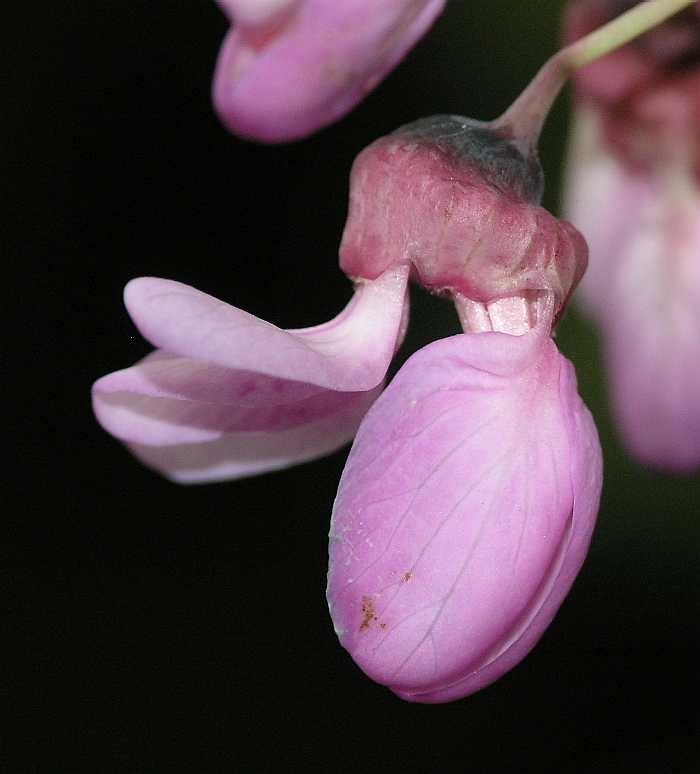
(290, 67)
(471, 492)
(464, 513)
(634, 191)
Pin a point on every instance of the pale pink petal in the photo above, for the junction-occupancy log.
(349, 353)
(231, 395)
(170, 400)
(240, 454)
(463, 515)
(277, 83)
(652, 334)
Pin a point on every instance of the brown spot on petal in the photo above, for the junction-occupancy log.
(368, 614)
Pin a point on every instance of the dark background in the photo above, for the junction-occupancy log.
(151, 628)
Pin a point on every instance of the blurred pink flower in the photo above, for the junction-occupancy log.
(633, 189)
(290, 67)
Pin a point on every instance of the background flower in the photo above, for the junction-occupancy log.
(634, 190)
(643, 288)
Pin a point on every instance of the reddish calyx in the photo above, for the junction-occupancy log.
(460, 204)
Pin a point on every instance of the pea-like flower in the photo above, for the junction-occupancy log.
(634, 191)
(290, 67)
(471, 492)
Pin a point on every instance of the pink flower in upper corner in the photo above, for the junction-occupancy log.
(634, 191)
(290, 67)
(471, 492)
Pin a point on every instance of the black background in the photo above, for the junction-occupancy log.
(152, 628)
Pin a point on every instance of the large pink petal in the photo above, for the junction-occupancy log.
(277, 84)
(349, 353)
(463, 515)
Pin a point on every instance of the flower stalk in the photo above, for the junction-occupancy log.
(621, 30)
